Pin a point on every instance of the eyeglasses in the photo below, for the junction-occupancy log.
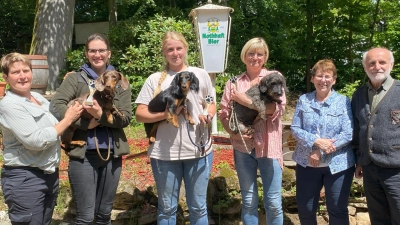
(101, 51)
(327, 78)
(253, 55)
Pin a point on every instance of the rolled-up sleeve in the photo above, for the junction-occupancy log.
(226, 98)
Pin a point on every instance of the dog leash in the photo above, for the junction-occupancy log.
(202, 145)
(97, 145)
(90, 83)
(233, 122)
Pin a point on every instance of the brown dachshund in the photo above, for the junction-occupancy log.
(105, 87)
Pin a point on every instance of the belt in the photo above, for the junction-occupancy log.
(22, 167)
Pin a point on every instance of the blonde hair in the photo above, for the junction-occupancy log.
(254, 44)
(324, 65)
(174, 36)
(11, 58)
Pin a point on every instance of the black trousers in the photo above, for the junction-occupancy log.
(30, 194)
(382, 189)
(94, 184)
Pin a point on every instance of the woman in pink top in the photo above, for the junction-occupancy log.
(264, 151)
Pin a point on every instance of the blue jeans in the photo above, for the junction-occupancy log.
(168, 177)
(94, 183)
(309, 182)
(271, 175)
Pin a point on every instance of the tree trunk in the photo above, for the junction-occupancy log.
(52, 34)
(309, 43)
(112, 12)
(372, 26)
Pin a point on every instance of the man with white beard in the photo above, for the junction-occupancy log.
(376, 138)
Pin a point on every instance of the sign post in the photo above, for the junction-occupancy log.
(212, 24)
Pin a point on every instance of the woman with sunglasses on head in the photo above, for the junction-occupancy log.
(94, 169)
(323, 127)
(254, 153)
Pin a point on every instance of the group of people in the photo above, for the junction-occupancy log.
(336, 138)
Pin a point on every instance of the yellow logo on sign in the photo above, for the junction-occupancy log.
(213, 25)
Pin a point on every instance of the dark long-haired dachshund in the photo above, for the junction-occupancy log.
(105, 87)
(172, 97)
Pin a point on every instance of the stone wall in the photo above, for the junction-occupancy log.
(134, 206)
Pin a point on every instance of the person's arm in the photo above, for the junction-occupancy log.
(67, 91)
(223, 114)
(143, 114)
(346, 132)
(26, 130)
(72, 114)
(355, 140)
(302, 136)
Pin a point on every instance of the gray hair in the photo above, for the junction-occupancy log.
(364, 56)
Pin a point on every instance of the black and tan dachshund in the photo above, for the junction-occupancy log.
(105, 87)
(173, 96)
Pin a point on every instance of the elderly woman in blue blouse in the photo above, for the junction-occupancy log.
(323, 126)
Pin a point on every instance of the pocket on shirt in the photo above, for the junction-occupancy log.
(335, 112)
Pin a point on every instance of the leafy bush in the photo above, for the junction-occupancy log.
(349, 89)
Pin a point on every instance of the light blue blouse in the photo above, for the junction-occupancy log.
(29, 137)
(332, 119)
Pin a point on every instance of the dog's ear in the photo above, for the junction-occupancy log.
(175, 84)
(123, 81)
(194, 84)
(176, 79)
(99, 83)
(263, 87)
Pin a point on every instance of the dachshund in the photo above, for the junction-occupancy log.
(270, 89)
(173, 96)
(104, 93)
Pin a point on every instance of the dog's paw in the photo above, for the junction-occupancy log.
(249, 131)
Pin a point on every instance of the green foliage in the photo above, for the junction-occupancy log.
(349, 89)
(137, 47)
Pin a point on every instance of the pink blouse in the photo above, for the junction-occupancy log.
(268, 134)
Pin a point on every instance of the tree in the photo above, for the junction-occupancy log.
(52, 34)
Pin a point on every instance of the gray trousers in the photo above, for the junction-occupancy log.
(30, 194)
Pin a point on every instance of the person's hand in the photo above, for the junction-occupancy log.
(205, 118)
(240, 97)
(238, 137)
(359, 172)
(67, 74)
(95, 110)
(270, 108)
(314, 158)
(325, 145)
(74, 112)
